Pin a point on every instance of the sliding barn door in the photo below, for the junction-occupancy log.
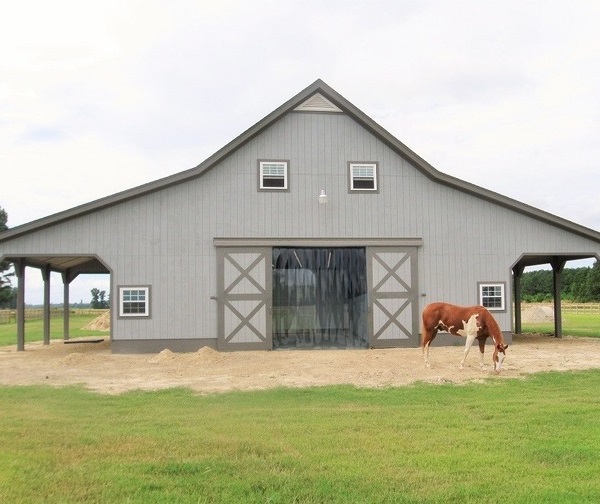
(393, 297)
(244, 296)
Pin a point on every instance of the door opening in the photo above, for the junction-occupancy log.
(319, 298)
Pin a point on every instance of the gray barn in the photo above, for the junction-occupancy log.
(315, 228)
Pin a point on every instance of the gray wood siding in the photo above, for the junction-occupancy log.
(165, 239)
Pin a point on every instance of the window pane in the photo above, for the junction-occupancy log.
(363, 171)
(273, 182)
(134, 302)
(364, 184)
(363, 177)
(492, 296)
(273, 169)
(273, 175)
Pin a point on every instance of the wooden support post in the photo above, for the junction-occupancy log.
(20, 272)
(66, 281)
(517, 274)
(46, 278)
(557, 267)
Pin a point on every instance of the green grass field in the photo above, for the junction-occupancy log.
(34, 329)
(518, 441)
(574, 324)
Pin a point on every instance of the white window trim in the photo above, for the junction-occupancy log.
(502, 285)
(286, 174)
(146, 289)
(351, 178)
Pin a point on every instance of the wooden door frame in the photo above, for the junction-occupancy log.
(408, 299)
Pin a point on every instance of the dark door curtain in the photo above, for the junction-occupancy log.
(319, 298)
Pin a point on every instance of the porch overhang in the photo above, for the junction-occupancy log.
(72, 264)
(557, 261)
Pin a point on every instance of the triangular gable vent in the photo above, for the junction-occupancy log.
(317, 103)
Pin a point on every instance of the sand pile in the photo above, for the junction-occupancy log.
(207, 355)
(164, 356)
(100, 323)
(537, 314)
(94, 367)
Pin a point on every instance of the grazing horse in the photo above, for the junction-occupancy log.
(470, 322)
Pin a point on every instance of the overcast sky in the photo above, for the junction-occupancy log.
(98, 97)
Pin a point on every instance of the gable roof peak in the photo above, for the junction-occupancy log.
(317, 103)
(322, 91)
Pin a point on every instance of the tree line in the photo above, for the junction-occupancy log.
(580, 285)
(8, 293)
(99, 299)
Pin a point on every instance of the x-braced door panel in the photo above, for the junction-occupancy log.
(393, 296)
(244, 291)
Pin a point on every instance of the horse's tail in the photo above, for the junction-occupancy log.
(422, 335)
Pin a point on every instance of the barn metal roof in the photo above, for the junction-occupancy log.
(338, 101)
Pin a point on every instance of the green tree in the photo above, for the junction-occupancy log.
(592, 283)
(95, 298)
(7, 293)
(103, 301)
(578, 289)
(537, 284)
(99, 300)
(578, 284)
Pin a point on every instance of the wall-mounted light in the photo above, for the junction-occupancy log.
(323, 198)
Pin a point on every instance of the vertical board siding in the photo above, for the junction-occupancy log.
(165, 239)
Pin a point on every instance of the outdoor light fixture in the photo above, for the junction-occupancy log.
(323, 198)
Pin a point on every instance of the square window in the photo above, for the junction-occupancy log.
(273, 175)
(491, 296)
(134, 301)
(363, 176)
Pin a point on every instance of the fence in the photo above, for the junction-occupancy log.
(8, 316)
(581, 307)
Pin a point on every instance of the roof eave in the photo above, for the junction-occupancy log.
(253, 131)
(168, 181)
(450, 181)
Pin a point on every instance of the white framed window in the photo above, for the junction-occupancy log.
(134, 301)
(492, 295)
(362, 176)
(273, 175)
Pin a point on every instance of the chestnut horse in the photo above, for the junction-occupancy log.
(470, 322)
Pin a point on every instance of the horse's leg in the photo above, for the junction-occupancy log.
(481, 350)
(425, 347)
(470, 340)
(427, 339)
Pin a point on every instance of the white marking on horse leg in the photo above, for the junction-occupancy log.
(470, 338)
(426, 354)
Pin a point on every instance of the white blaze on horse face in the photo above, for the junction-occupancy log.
(498, 365)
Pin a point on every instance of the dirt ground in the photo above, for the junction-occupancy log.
(93, 366)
